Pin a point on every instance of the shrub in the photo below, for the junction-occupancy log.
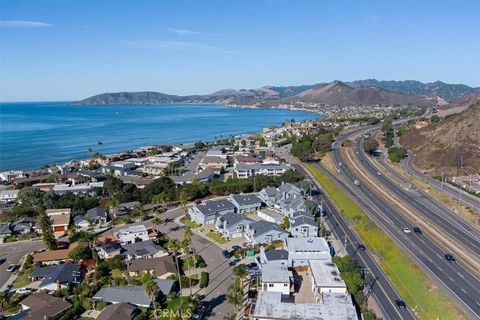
(204, 279)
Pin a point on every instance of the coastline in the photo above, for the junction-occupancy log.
(185, 142)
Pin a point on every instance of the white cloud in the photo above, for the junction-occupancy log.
(183, 32)
(23, 24)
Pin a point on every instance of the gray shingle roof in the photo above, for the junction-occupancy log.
(262, 227)
(64, 274)
(234, 218)
(246, 199)
(214, 206)
(304, 220)
(96, 212)
(276, 255)
(118, 311)
(134, 295)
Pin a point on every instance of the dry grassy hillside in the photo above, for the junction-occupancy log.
(445, 145)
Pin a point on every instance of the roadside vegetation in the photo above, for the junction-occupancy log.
(428, 301)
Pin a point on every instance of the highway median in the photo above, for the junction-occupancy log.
(422, 296)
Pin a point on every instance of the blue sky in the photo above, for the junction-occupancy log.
(67, 50)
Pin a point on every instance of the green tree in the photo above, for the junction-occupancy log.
(151, 290)
(241, 272)
(80, 253)
(285, 223)
(370, 146)
(31, 197)
(235, 294)
(229, 316)
(46, 229)
(174, 246)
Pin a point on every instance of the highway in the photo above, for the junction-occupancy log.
(458, 282)
(381, 289)
(456, 193)
(432, 211)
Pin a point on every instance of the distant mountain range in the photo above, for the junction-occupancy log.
(336, 93)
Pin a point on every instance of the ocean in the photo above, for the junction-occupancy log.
(35, 134)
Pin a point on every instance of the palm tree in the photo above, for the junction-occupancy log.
(187, 241)
(151, 290)
(229, 316)
(160, 198)
(3, 300)
(174, 246)
(235, 294)
(139, 211)
(241, 272)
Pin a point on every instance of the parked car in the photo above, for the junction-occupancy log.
(401, 304)
(356, 182)
(236, 248)
(226, 254)
(11, 267)
(407, 230)
(252, 265)
(417, 230)
(450, 258)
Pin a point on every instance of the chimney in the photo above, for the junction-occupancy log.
(59, 288)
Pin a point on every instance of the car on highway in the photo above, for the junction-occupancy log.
(450, 258)
(407, 230)
(2, 261)
(339, 171)
(356, 182)
(361, 247)
(400, 304)
(379, 173)
(11, 267)
(417, 230)
(340, 164)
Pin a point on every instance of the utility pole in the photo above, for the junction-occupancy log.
(442, 179)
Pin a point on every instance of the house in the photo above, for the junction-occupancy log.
(292, 204)
(143, 249)
(57, 276)
(325, 277)
(9, 176)
(283, 195)
(60, 219)
(132, 234)
(96, 216)
(124, 209)
(215, 163)
(277, 257)
(119, 168)
(5, 231)
(264, 232)
(118, 311)
(23, 226)
(232, 225)
(41, 306)
(8, 195)
(133, 294)
(162, 267)
(81, 222)
(57, 256)
(78, 189)
(204, 176)
(276, 278)
(303, 226)
(303, 250)
(271, 305)
(270, 215)
(244, 171)
(246, 202)
(208, 211)
(109, 250)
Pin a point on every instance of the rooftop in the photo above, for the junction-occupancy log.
(43, 306)
(326, 274)
(275, 274)
(335, 306)
(307, 244)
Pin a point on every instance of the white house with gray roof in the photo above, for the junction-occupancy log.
(303, 226)
(303, 250)
(265, 232)
(143, 250)
(232, 225)
(246, 202)
(208, 211)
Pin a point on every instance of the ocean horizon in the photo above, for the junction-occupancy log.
(34, 134)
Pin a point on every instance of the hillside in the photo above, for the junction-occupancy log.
(447, 144)
(335, 93)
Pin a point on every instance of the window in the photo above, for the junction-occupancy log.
(270, 285)
(285, 285)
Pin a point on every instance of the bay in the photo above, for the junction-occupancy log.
(35, 134)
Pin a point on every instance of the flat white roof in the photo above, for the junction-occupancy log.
(335, 306)
(273, 273)
(307, 244)
(326, 274)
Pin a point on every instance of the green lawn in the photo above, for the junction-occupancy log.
(217, 237)
(190, 223)
(22, 280)
(413, 285)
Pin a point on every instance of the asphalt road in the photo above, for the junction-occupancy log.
(458, 282)
(12, 253)
(381, 289)
(467, 199)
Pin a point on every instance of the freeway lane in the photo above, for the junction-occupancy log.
(458, 282)
(381, 288)
(469, 200)
(436, 213)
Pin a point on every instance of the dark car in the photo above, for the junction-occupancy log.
(417, 230)
(252, 265)
(361, 247)
(202, 311)
(400, 303)
(450, 258)
(236, 248)
(226, 254)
